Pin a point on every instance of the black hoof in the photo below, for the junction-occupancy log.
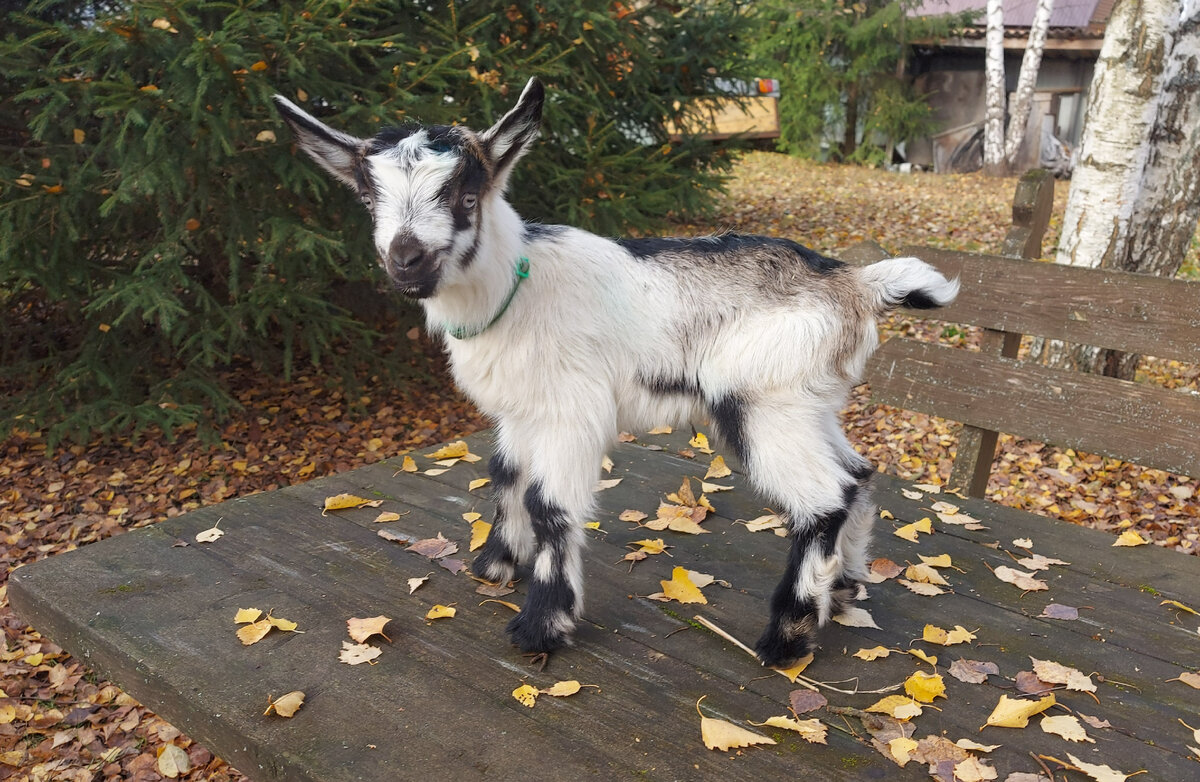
(537, 634)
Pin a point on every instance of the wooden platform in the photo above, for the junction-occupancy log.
(156, 616)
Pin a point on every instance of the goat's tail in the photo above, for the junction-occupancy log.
(907, 282)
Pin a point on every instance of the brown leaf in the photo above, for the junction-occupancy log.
(803, 701)
(433, 548)
(973, 671)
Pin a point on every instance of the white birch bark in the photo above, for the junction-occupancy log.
(1031, 63)
(994, 98)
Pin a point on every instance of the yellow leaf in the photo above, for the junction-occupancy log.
(925, 574)
(78, 135)
(287, 705)
(1130, 538)
(717, 468)
(516, 609)
(265, 135)
(343, 501)
(247, 615)
(409, 464)
(874, 653)
(441, 612)
(920, 655)
(526, 694)
(973, 770)
(254, 632)
(793, 672)
(897, 706)
(606, 464)
(362, 629)
(455, 450)
(886, 514)
(591, 525)
(722, 735)
(282, 624)
(160, 24)
(656, 546)
(387, 516)
(34, 659)
(1066, 726)
(660, 430)
(1015, 713)
(901, 749)
(924, 687)
(479, 534)
(713, 488)
(354, 654)
(632, 515)
(1099, 772)
(812, 730)
(563, 689)
(925, 590)
(172, 762)
(975, 745)
(941, 560)
(936, 635)
(700, 443)
(681, 588)
(472, 516)
(259, 66)
(478, 483)
(909, 531)
(1180, 606)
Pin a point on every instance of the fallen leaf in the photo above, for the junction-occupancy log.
(681, 588)
(975, 746)
(973, 671)
(722, 735)
(803, 701)
(435, 472)
(912, 495)
(563, 689)
(362, 629)
(526, 695)
(254, 632)
(700, 443)
(1066, 726)
(924, 687)
(478, 483)
(1056, 673)
(717, 469)
(1028, 683)
(247, 615)
(455, 566)
(354, 654)
(925, 590)
(409, 465)
(923, 657)
(344, 501)
(713, 488)
(811, 730)
(1189, 678)
(494, 590)
(607, 483)
(900, 748)
(891, 704)
(1129, 538)
(909, 531)
(455, 450)
(925, 574)
(660, 430)
(1020, 579)
(434, 548)
(387, 516)
(210, 534)
(1056, 611)
(770, 521)
(286, 625)
(941, 560)
(973, 770)
(941, 506)
(441, 612)
(874, 653)
(1098, 723)
(793, 671)
(1100, 773)
(632, 515)
(1038, 562)
(1023, 543)
(856, 617)
(172, 761)
(415, 583)
(648, 546)
(884, 569)
(77, 135)
(936, 635)
(607, 465)
(1015, 713)
(286, 705)
(1178, 605)
(516, 609)
(886, 514)
(479, 534)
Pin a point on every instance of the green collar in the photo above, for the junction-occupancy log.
(467, 332)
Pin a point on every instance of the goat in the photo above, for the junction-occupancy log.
(564, 339)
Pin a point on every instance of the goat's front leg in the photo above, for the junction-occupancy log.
(511, 541)
(563, 470)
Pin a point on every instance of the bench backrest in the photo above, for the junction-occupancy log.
(991, 391)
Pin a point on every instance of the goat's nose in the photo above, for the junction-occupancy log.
(404, 253)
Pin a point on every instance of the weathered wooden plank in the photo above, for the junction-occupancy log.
(1133, 421)
(1033, 202)
(1136, 313)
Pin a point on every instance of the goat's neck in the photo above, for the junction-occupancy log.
(475, 294)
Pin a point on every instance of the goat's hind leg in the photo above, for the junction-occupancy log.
(511, 540)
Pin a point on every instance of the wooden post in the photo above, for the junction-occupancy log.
(1031, 208)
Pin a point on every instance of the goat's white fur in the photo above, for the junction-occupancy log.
(567, 366)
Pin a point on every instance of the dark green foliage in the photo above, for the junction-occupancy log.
(841, 67)
(153, 231)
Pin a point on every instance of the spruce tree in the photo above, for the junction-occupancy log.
(156, 225)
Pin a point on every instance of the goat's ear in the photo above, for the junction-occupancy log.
(516, 131)
(334, 151)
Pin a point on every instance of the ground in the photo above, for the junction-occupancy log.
(58, 720)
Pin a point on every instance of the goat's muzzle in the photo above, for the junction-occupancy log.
(411, 267)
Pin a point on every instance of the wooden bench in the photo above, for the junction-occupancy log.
(156, 616)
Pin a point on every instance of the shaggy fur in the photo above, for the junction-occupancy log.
(759, 336)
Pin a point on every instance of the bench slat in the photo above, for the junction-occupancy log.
(1132, 421)
(1136, 313)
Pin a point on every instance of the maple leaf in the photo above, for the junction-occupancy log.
(479, 534)
(1015, 713)
(717, 469)
(441, 612)
(172, 761)
(682, 588)
(924, 687)
(811, 730)
(1066, 726)
(1100, 773)
(1020, 579)
(286, 705)
(354, 654)
(526, 695)
(362, 629)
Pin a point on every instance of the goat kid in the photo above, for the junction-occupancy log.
(564, 339)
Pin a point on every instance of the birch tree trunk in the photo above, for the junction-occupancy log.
(993, 127)
(1031, 62)
(1135, 194)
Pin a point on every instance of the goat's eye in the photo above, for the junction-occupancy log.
(365, 197)
(469, 201)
